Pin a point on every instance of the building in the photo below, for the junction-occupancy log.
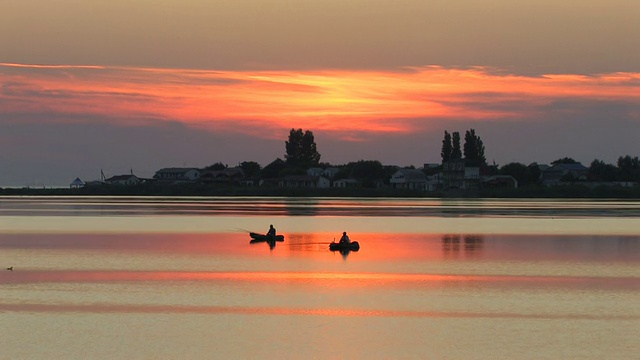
(177, 174)
(453, 174)
(124, 180)
(304, 181)
(330, 172)
(500, 182)
(346, 183)
(228, 175)
(314, 171)
(564, 172)
(409, 179)
(77, 183)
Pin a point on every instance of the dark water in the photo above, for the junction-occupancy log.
(177, 278)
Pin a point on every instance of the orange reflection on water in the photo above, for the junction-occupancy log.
(317, 279)
(243, 310)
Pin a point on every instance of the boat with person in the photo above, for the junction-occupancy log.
(256, 237)
(342, 246)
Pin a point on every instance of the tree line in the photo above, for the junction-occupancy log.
(301, 153)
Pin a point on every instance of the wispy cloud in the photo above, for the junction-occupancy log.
(330, 100)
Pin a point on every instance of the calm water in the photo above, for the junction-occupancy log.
(168, 278)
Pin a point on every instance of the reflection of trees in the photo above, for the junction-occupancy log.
(472, 244)
(451, 243)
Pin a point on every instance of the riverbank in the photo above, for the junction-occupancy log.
(566, 191)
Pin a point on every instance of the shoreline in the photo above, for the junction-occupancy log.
(565, 191)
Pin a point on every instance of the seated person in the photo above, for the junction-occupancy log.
(272, 231)
(345, 238)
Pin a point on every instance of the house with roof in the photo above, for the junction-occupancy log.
(177, 174)
(330, 172)
(228, 175)
(409, 179)
(314, 171)
(453, 173)
(346, 183)
(124, 180)
(500, 182)
(304, 181)
(77, 183)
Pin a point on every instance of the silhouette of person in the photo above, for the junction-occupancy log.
(345, 238)
(272, 231)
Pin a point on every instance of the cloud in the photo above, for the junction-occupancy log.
(329, 100)
(59, 122)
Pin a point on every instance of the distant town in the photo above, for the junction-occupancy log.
(463, 171)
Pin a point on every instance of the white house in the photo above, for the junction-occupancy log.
(409, 179)
(125, 180)
(304, 181)
(314, 171)
(330, 172)
(346, 183)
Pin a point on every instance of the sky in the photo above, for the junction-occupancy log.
(123, 85)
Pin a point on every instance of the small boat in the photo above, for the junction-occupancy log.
(352, 246)
(255, 237)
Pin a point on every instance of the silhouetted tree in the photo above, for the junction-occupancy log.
(301, 149)
(534, 173)
(519, 171)
(216, 166)
(274, 169)
(250, 168)
(456, 153)
(629, 168)
(445, 153)
(564, 160)
(367, 171)
(600, 171)
(473, 148)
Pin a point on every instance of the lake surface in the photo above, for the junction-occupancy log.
(169, 278)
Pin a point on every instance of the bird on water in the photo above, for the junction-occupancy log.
(10, 268)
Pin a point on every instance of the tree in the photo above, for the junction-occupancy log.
(274, 169)
(473, 148)
(445, 153)
(600, 171)
(455, 150)
(250, 168)
(564, 160)
(301, 149)
(629, 168)
(367, 172)
(517, 170)
(216, 166)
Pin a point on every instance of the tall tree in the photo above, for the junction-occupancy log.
(473, 148)
(455, 150)
(445, 153)
(301, 149)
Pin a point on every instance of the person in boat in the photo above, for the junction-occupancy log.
(272, 232)
(345, 238)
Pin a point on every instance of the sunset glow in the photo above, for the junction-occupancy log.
(332, 100)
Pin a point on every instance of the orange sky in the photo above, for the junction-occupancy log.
(399, 101)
